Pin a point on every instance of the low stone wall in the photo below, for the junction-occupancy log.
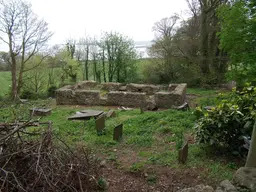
(172, 98)
(86, 85)
(129, 99)
(87, 97)
(131, 95)
(111, 86)
(65, 97)
(143, 88)
(77, 97)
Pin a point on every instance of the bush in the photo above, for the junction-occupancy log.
(224, 125)
(27, 94)
(51, 91)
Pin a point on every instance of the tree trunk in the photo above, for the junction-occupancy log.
(94, 68)
(14, 78)
(21, 69)
(251, 158)
(204, 64)
(86, 63)
(14, 95)
(103, 66)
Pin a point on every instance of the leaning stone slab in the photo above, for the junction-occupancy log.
(118, 132)
(111, 113)
(85, 115)
(40, 112)
(100, 124)
(246, 177)
(183, 153)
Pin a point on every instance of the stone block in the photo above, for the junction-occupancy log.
(246, 177)
(65, 97)
(148, 89)
(87, 97)
(111, 86)
(119, 98)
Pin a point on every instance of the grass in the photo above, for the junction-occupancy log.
(5, 79)
(151, 137)
(201, 91)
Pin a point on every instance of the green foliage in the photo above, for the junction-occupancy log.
(227, 122)
(51, 91)
(102, 183)
(137, 167)
(237, 38)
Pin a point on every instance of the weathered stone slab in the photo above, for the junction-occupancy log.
(85, 115)
(100, 124)
(111, 113)
(40, 112)
(118, 132)
(183, 107)
(183, 153)
(246, 177)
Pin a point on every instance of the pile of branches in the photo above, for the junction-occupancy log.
(40, 161)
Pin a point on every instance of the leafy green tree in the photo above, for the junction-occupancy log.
(238, 37)
(70, 67)
(121, 56)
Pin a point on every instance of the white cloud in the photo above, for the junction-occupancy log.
(133, 18)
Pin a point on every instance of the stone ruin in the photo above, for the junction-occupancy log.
(148, 97)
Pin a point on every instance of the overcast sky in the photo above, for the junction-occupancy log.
(134, 18)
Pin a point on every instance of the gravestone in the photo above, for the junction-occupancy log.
(40, 112)
(183, 153)
(85, 115)
(183, 107)
(100, 124)
(118, 132)
(111, 113)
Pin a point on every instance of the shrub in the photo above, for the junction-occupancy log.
(232, 118)
(27, 94)
(51, 91)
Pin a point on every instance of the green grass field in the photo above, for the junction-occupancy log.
(150, 137)
(5, 83)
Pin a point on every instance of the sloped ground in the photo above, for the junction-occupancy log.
(146, 158)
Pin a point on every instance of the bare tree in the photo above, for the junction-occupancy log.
(83, 51)
(24, 33)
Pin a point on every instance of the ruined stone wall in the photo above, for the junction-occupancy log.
(111, 86)
(130, 99)
(143, 88)
(131, 95)
(77, 97)
(172, 98)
